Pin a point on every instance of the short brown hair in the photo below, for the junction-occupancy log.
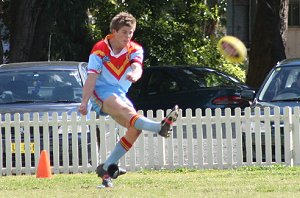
(122, 19)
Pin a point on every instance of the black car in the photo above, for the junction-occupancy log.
(279, 89)
(40, 87)
(162, 87)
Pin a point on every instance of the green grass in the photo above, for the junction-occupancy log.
(274, 181)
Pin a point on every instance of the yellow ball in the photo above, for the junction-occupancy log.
(232, 49)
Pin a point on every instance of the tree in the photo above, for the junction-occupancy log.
(269, 39)
(171, 32)
(33, 22)
(25, 17)
(1, 53)
(70, 35)
(1, 30)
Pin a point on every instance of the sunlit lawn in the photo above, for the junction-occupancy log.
(275, 181)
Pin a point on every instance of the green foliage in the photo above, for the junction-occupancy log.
(70, 36)
(171, 32)
(208, 55)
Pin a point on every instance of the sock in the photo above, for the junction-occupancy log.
(119, 151)
(143, 123)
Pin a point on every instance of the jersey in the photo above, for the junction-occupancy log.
(113, 68)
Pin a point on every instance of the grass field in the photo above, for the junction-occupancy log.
(274, 181)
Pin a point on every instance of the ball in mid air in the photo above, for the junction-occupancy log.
(232, 49)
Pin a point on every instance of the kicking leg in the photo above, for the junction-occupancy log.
(127, 116)
(163, 128)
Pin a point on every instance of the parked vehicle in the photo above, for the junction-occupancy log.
(279, 89)
(40, 87)
(192, 87)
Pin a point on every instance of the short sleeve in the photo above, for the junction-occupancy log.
(95, 64)
(137, 56)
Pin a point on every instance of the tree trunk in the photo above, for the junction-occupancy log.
(40, 44)
(1, 26)
(1, 52)
(25, 16)
(211, 27)
(269, 39)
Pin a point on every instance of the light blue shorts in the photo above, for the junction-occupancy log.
(97, 102)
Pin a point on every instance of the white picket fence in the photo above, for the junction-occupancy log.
(210, 141)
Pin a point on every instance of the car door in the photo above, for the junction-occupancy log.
(156, 90)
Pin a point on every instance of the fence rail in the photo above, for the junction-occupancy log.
(220, 140)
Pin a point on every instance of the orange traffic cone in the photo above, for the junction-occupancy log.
(44, 170)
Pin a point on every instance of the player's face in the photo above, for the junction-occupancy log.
(124, 35)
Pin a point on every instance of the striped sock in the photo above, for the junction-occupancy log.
(143, 123)
(119, 151)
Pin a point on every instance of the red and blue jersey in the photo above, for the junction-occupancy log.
(112, 68)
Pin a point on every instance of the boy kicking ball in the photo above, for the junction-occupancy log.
(114, 64)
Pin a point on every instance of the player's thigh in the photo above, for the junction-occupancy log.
(118, 109)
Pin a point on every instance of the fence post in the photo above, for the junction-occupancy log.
(257, 136)
(29, 145)
(209, 133)
(75, 153)
(296, 136)
(268, 138)
(219, 138)
(189, 134)
(237, 122)
(229, 137)
(93, 137)
(36, 134)
(248, 136)
(288, 136)
(199, 130)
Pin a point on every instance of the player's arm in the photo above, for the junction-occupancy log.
(87, 91)
(136, 73)
(136, 60)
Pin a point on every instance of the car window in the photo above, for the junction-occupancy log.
(281, 85)
(40, 86)
(161, 82)
(211, 78)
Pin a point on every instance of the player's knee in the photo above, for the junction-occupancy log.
(134, 131)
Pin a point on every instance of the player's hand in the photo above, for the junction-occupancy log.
(82, 109)
(136, 72)
(133, 76)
